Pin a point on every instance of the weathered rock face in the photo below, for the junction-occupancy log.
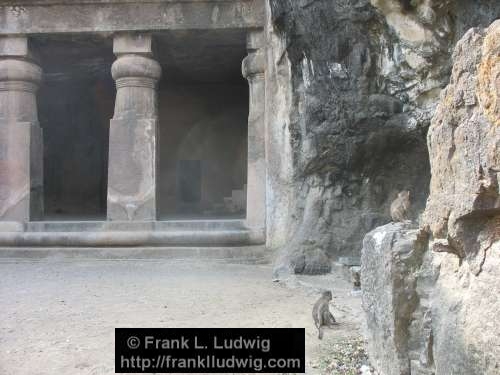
(431, 296)
(465, 150)
(352, 87)
(464, 208)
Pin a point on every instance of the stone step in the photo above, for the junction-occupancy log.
(242, 254)
(132, 238)
(101, 226)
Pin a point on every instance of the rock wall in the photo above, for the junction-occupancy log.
(352, 86)
(431, 295)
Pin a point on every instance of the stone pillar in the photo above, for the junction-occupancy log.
(21, 151)
(253, 68)
(133, 132)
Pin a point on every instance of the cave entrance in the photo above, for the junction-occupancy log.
(76, 101)
(203, 111)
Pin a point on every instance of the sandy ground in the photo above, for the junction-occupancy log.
(58, 317)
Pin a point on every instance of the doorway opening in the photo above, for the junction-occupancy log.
(75, 104)
(203, 110)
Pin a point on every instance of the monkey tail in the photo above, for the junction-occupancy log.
(320, 333)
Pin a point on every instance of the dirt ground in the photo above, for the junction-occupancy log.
(58, 317)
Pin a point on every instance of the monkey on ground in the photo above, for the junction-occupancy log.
(322, 315)
(408, 5)
(401, 206)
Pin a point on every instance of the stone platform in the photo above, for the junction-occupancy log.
(138, 240)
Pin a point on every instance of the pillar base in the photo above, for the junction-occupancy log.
(21, 171)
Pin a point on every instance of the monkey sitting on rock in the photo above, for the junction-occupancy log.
(322, 315)
(400, 207)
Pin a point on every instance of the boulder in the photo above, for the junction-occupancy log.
(311, 262)
(389, 258)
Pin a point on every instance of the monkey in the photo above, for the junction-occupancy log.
(356, 279)
(408, 5)
(400, 207)
(321, 313)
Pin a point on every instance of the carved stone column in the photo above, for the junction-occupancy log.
(133, 131)
(21, 151)
(253, 68)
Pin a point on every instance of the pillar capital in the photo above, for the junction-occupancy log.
(133, 43)
(17, 70)
(255, 39)
(14, 46)
(19, 75)
(254, 64)
(136, 70)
